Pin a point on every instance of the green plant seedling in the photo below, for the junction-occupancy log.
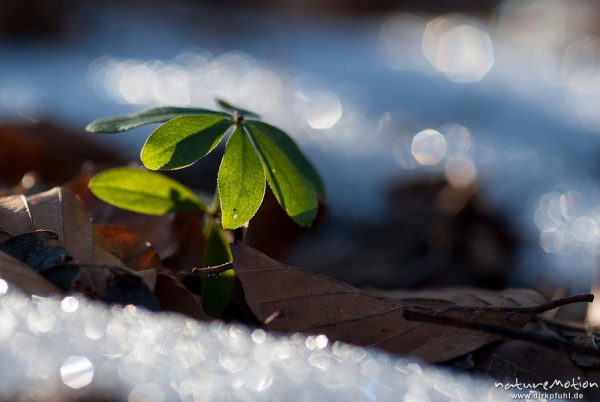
(256, 154)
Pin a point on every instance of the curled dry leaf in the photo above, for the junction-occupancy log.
(45, 229)
(36, 250)
(60, 211)
(20, 215)
(305, 302)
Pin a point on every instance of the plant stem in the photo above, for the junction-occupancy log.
(214, 270)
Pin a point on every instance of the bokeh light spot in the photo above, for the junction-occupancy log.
(77, 372)
(428, 147)
(462, 51)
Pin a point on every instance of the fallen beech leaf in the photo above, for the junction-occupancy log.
(306, 302)
(464, 296)
(20, 275)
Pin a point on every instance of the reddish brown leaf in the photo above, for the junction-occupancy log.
(134, 252)
(301, 301)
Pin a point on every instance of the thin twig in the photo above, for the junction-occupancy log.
(214, 270)
(545, 340)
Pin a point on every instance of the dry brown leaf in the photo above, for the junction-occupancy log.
(18, 274)
(20, 214)
(465, 296)
(174, 297)
(60, 211)
(139, 255)
(293, 300)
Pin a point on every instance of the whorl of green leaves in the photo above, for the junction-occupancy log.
(256, 153)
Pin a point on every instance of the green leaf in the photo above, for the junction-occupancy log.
(293, 189)
(234, 109)
(241, 181)
(145, 192)
(182, 141)
(290, 148)
(117, 124)
(216, 290)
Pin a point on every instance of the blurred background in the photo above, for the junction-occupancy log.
(458, 140)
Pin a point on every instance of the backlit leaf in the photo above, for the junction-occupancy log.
(182, 141)
(293, 190)
(145, 192)
(116, 124)
(241, 181)
(292, 150)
